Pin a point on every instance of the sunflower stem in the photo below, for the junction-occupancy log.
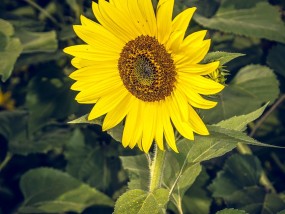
(156, 169)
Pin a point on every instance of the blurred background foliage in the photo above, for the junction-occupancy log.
(49, 166)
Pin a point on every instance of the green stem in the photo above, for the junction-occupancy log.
(156, 169)
(5, 161)
(264, 181)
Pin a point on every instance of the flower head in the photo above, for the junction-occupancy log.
(138, 66)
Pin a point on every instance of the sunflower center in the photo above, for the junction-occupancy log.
(146, 69)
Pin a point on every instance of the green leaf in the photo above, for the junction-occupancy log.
(238, 172)
(6, 28)
(253, 86)
(261, 21)
(223, 57)
(138, 170)
(234, 136)
(239, 122)
(179, 179)
(116, 132)
(49, 97)
(13, 123)
(196, 199)
(87, 163)
(10, 49)
(42, 142)
(142, 202)
(37, 41)
(255, 200)
(238, 185)
(275, 59)
(48, 190)
(231, 211)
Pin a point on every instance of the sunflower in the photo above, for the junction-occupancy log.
(139, 67)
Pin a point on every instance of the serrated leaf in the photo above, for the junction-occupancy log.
(51, 191)
(239, 122)
(116, 132)
(261, 21)
(138, 170)
(234, 136)
(231, 211)
(86, 163)
(142, 202)
(253, 86)
(275, 59)
(222, 57)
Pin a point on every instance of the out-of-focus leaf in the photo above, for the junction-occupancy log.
(262, 21)
(255, 200)
(137, 167)
(40, 142)
(10, 49)
(275, 59)
(48, 190)
(87, 163)
(253, 86)
(238, 185)
(238, 172)
(13, 123)
(196, 199)
(48, 98)
(231, 211)
(141, 202)
(116, 132)
(37, 41)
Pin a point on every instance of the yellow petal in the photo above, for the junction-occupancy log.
(179, 27)
(193, 54)
(149, 122)
(81, 63)
(100, 35)
(114, 21)
(164, 19)
(115, 116)
(107, 103)
(196, 122)
(168, 130)
(202, 85)
(196, 69)
(159, 127)
(129, 125)
(193, 40)
(90, 53)
(98, 89)
(182, 126)
(146, 8)
(194, 98)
